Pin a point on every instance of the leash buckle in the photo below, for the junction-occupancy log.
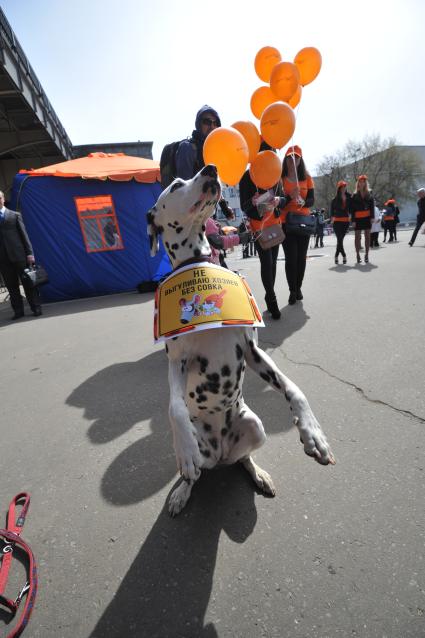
(21, 594)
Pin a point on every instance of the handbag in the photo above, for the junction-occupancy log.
(271, 236)
(35, 276)
(304, 225)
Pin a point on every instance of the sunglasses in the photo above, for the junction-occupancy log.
(208, 122)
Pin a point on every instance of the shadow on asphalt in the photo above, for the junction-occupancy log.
(359, 267)
(166, 592)
(118, 397)
(59, 308)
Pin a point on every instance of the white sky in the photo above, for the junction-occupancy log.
(140, 69)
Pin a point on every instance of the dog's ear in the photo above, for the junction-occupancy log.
(152, 231)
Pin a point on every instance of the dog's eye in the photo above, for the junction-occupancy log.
(175, 186)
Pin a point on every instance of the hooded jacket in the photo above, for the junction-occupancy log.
(189, 158)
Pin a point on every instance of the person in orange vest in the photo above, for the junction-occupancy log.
(261, 215)
(389, 219)
(298, 188)
(340, 215)
(362, 209)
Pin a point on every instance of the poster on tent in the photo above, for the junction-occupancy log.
(99, 224)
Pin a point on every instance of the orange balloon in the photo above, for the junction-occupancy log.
(284, 80)
(295, 99)
(261, 98)
(251, 135)
(277, 124)
(309, 63)
(228, 150)
(265, 171)
(265, 60)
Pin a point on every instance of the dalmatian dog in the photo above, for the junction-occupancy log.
(210, 420)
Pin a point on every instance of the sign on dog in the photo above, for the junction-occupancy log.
(201, 297)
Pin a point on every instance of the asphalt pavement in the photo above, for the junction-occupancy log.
(338, 553)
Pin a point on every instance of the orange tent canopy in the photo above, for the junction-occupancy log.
(115, 166)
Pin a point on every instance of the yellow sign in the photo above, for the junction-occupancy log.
(201, 297)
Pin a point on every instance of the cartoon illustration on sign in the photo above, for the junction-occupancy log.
(189, 309)
(196, 308)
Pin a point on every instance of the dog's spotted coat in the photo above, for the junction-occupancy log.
(210, 420)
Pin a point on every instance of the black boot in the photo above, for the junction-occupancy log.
(272, 307)
(292, 297)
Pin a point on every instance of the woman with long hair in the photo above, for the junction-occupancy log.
(298, 188)
(362, 207)
(260, 216)
(340, 214)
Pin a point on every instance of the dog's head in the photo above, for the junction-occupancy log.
(180, 214)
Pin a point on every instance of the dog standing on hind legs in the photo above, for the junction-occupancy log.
(210, 421)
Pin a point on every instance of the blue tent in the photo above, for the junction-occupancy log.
(89, 234)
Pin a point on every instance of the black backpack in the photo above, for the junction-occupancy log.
(167, 163)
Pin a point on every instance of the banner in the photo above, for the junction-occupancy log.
(201, 297)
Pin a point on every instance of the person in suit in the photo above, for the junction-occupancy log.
(420, 218)
(16, 254)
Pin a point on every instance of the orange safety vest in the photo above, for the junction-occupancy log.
(269, 219)
(361, 214)
(304, 185)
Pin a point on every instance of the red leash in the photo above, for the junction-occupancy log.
(10, 538)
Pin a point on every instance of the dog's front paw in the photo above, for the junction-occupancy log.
(188, 459)
(314, 439)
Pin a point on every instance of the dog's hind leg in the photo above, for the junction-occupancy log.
(311, 434)
(246, 434)
(261, 478)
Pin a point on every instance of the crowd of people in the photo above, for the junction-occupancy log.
(280, 216)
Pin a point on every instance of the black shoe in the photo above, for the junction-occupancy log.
(37, 311)
(359, 259)
(366, 259)
(336, 261)
(344, 260)
(410, 244)
(17, 315)
(292, 298)
(299, 295)
(273, 308)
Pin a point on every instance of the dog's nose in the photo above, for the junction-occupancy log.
(209, 171)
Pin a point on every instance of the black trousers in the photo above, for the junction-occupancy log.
(340, 230)
(268, 262)
(319, 237)
(295, 248)
(11, 273)
(374, 239)
(415, 232)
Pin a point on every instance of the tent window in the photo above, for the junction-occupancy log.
(99, 224)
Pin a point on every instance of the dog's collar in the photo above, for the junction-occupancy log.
(194, 260)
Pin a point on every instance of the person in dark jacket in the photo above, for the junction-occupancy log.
(362, 208)
(190, 160)
(298, 188)
(16, 254)
(389, 218)
(340, 215)
(320, 227)
(420, 219)
(262, 215)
